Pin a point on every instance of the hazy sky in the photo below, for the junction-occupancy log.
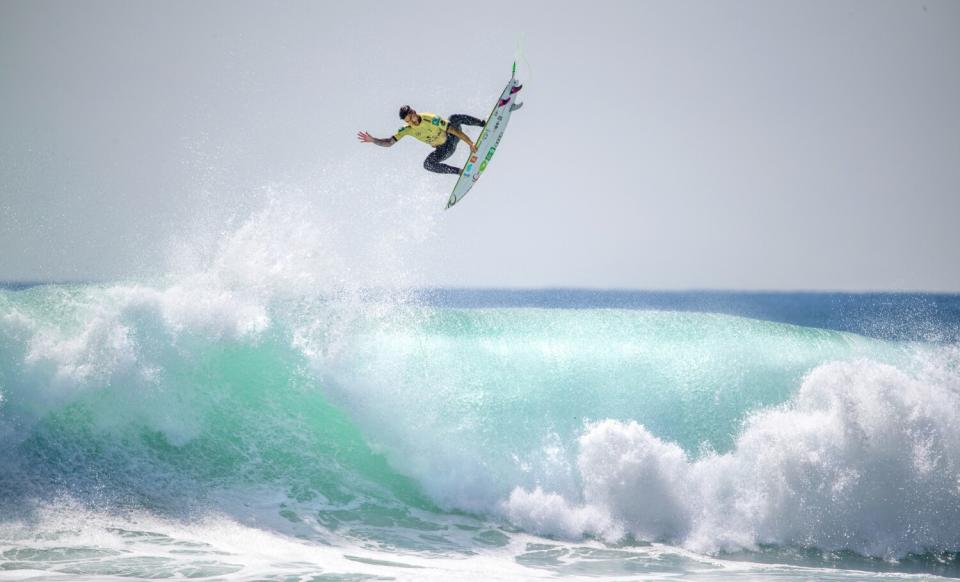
(744, 145)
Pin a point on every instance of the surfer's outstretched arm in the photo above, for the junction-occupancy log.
(367, 138)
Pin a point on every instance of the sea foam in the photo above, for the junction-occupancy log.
(865, 457)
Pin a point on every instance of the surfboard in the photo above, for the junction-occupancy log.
(489, 139)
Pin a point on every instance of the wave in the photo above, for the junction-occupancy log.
(268, 371)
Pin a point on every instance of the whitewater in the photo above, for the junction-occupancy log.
(271, 410)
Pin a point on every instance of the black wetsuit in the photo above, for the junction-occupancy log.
(446, 149)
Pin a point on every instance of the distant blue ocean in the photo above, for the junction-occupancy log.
(211, 429)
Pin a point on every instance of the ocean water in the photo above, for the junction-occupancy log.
(252, 419)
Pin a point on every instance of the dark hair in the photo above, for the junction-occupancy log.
(405, 111)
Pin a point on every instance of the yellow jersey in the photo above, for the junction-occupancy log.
(432, 130)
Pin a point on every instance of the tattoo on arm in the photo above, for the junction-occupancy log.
(384, 142)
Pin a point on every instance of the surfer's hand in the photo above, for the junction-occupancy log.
(364, 137)
(473, 148)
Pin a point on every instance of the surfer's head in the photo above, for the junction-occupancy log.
(409, 115)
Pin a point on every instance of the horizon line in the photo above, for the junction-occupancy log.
(27, 284)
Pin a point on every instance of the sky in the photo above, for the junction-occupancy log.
(756, 145)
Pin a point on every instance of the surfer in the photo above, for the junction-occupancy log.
(433, 130)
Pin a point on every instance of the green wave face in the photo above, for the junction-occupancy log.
(105, 400)
(475, 402)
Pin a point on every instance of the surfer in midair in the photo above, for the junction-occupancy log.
(433, 130)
